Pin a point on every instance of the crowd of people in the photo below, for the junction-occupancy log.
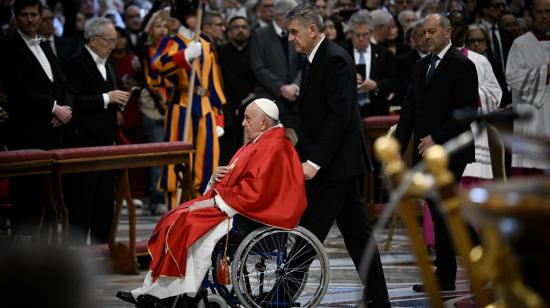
(112, 72)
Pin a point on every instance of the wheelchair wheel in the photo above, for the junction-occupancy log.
(280, 268)
(214, 301)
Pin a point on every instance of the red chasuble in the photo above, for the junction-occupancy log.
(265, 183)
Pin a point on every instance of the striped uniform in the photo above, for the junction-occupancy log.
(169, 64)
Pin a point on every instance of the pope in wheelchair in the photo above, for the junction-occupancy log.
(264, 182)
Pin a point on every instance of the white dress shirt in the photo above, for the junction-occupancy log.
(100, 64)
(34, 46)
(368, 56)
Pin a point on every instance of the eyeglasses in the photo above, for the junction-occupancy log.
(476, 40)
(237, 27)
(358, 35)
(111, 42)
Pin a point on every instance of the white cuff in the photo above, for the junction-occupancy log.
(317, 167)
(224, 207)
(54, 106)
(106, 100)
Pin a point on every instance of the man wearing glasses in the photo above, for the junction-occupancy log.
(89, 197)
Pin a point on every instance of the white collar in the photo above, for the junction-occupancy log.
(278, 29)
(314, 51)
(422, 55)
(488, 25)
(30, 41)
(97, 59)
(188, 34)
(442, 53)
(367, 50)
(256, 139)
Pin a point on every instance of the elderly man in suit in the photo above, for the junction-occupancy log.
(376, 72)
(332, 146)
(37, 107)
(89, 197)
(275, 64)
(443, 82)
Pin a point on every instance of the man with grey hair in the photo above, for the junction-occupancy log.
(275, 64)
(376, 72)
(442, 82)
(405, 62)
(380, 26)
(331, 145)
(89, 197)
(406, 18)
(213, 28)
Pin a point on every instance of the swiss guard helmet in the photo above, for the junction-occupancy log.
(181, 9)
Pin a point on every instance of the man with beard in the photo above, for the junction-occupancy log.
(238, 81)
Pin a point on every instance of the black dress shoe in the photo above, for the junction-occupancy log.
(443, 287)
(150, 301)
(126, 296)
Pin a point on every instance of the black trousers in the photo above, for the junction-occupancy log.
(341, 201)
(445, 257)
(89, 198)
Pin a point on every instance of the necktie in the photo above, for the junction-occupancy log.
(284, 43)
(496, 46)
(431, 69)
(47, 47)
(362, 97)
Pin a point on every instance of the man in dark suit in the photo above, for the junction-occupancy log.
(376, 72)
(89, 197)
(405, 62)
(37, 107)
(275, 64)
(443, 82)
(62, 48)
(238, 85)
(491, 12)
(331, 145)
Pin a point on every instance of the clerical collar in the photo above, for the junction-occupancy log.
(239, 47)
(272, 127)
(314, 51)
(540, 35)
(278, 29)
(29, 40)
(188, 34)
(97, 59)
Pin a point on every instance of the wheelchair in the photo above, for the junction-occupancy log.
(270, 267)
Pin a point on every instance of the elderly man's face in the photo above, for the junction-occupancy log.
(302, 36)
(436, 36)
(360, 36)
(104, 44)
(254, 122)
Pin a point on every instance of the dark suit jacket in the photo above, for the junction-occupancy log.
(65, 48)
(405, 65)
(429, 105)
(272, 70)
(384, 72)
(331, 135)
(31, 95)
(91, 124)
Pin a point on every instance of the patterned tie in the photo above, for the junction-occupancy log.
(496, 46)
(362, 97)
(431, 69)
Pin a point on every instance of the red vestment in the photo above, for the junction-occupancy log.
(265, 183)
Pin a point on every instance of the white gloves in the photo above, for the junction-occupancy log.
(193, 50)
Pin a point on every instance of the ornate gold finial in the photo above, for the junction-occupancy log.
(420, 184)
(436, 159)
(386, 148)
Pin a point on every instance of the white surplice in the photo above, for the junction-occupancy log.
(526, 74)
